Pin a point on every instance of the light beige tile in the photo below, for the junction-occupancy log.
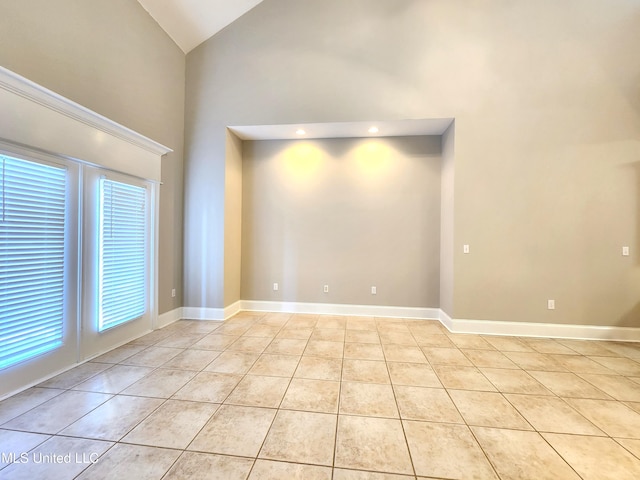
(233, 329)
(466, 378)
(437, 340)
(568, 385)
(295, 333)
(80, 453)
(520, 455)
(428, 327)
(132, 461)
(114, 418)
(361, 323)
(430, 404)
(595, 458)
(205, 466)
(508, 344)
(537, 361)
(342, 474)
(332, 321)
(413, 374)
(622, 366)
(275, 365)
(514, 381)
(633, 405)
(173, 425)
(215, 341)
(369, 399)
(250, 344)
(587, 347)
(76, 375)
(208, 387)
(25, 401)
(402, 353)
(270, 470)
(633, 445)
(367, 371)
(488, 409)
(617, 386)
(232, 362)
(580, 364)
(447, 451)
(624, 349)
(14, 444)
(57, 413)
(304, 319)
(613, 418)
(548, 345)
(153, 337)
(202, 326)
(328, 334)
(152, 356)
(263, 330)
(235, 430)
(114, 380)
(180, 340)
(161, 383)
(362, 336)
(319, 368)
(489, 359)
(397, 338)
(287, 346)
(446, 356)
(324, 348)
(301, 437)
(312, 396)
(257, 391)
(192, 359)
(366, 443)
(363, 351)
(472, 342)
(277, 319)
(552, 414)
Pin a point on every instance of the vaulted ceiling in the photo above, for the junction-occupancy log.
(191, 22)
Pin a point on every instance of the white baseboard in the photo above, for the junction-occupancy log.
(169, 317)
(548, 330)
(340, 309)
(202, 313)
(454, 325)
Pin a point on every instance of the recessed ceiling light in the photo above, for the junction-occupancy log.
(373, 130)
(300, 131)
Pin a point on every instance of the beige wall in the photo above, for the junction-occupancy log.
(347, 213)
(545, 97)
(112, 57)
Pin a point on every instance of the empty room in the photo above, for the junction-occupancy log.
(333, 240)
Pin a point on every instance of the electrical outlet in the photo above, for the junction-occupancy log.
(465, 249)
(326, 289)
(275, 287)
(551, 304)
(625, 251)
(173, 293)
(374, 291)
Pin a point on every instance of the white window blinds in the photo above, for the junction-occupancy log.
(32, 234)
(122, 253)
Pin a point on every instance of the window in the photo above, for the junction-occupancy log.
(122, 253)
(32, 239)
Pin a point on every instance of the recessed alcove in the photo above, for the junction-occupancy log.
(342, 207)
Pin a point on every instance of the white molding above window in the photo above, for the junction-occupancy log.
(35, 116)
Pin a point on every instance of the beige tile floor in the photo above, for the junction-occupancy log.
(279, 396)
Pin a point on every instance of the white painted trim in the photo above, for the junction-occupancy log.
(169, 317)
(231, 310)
(202, 313)
(340, 309)
(547, 330)
(24, 87)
